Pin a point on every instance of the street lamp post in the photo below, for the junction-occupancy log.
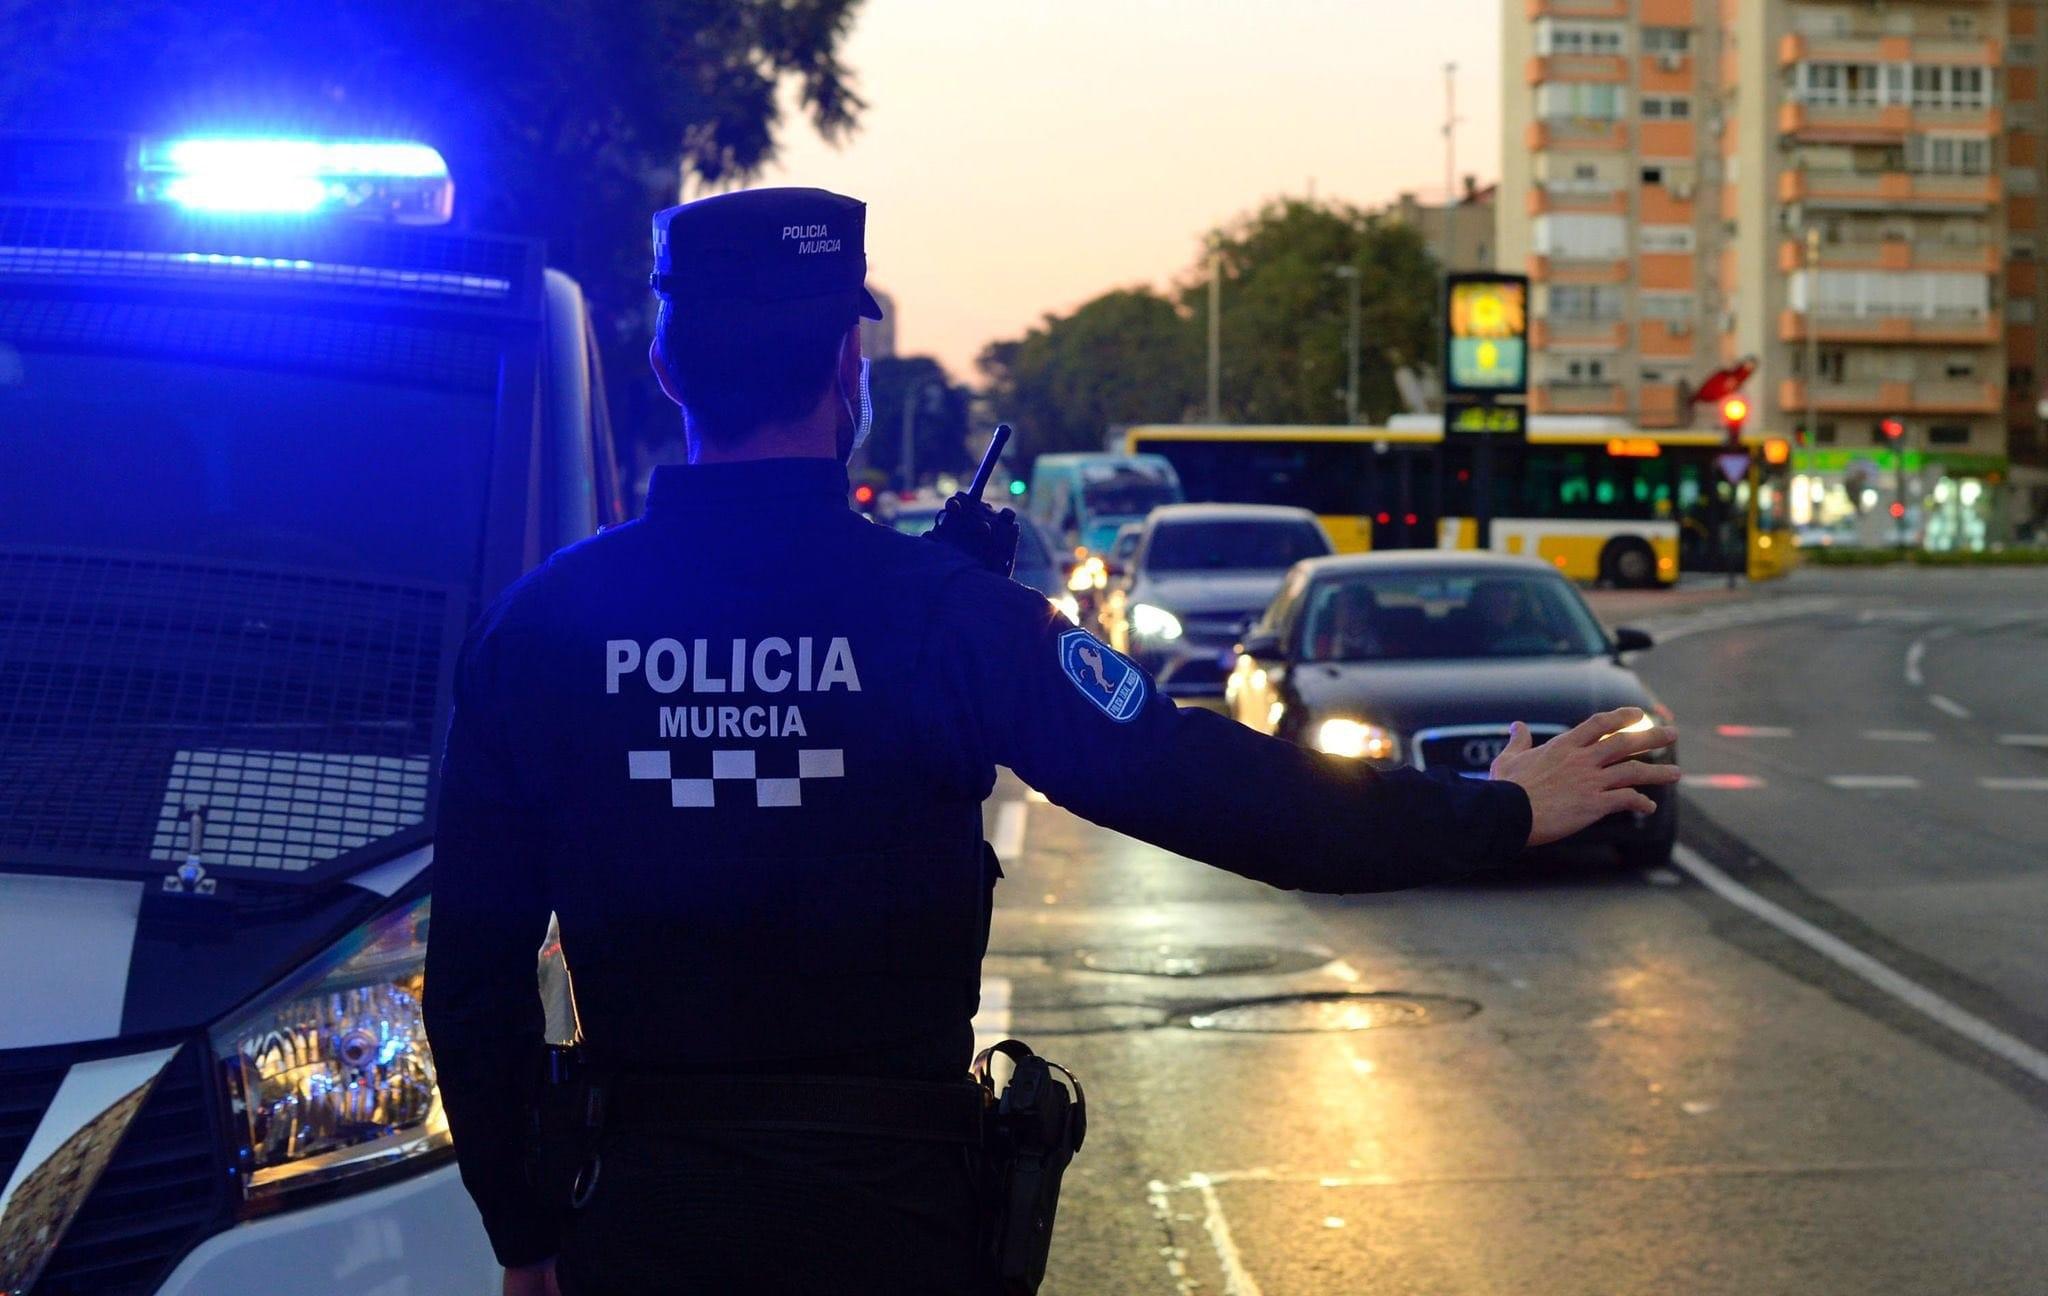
(1351, 273)
(1215, 392)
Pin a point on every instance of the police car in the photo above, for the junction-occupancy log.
(270, 435)
(1424, 658)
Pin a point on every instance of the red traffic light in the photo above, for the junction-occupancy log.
(1892, 429)
(1733, 411)
(863, 495)
(1898, 509)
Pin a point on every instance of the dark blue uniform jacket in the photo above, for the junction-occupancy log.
(740, 748)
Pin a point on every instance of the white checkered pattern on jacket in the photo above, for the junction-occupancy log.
(811, 763)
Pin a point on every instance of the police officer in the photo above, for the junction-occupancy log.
(740, 747)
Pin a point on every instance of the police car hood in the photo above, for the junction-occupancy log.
(1409, 695)
(1209, 591)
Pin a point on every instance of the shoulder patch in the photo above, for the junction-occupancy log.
(1113, 684)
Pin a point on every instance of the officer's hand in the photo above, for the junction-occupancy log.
(1586, 774)
(977, 530)
(532, 1280)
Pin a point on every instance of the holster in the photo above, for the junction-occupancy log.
(569, 1114)
(1031, 1131)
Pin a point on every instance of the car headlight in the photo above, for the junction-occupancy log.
(1357, 739)
(330, 1074)
(1069, 607)
(1151, 622)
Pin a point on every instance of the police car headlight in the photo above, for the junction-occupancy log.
(1151, 622)
(1357, 739)
(329, 1075)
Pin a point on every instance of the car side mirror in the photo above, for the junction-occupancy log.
(1627, 640)
(1261, 644)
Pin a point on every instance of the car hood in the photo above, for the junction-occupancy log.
(100, 958)
(1217, 591)
(1406, 696)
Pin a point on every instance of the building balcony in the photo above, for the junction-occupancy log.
(1585, 134)
(1877, 190)
(1554, 334)
(1577, 398)
(1892, 254)
(1572, 270)
(1575, 67)
(1831, 124)
(1891, 397)
(1668, 339)
(1535, 9)
(1957, 330)
(1657, 406)
(1873, 48)
(1560, 198)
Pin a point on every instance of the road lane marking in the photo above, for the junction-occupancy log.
(1899, 986)
(1009, 835)
(1872, 782)
(1722, 782)
(1237, 1280)
(1752, 731)
(1913, 656)
(2014, 784)
(1898, 735)
(2024, 740)
(1948, 706)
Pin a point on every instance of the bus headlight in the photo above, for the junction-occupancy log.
(1341, 736)
(1149, 622)
(330, 1074)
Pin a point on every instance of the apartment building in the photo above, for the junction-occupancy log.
(1849, 192)
(1459, 234)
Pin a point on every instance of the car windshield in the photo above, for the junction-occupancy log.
(1396, 616)
(249, 464)
(1128, 490)
(1233, 545)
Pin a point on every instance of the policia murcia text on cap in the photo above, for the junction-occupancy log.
(740, 746)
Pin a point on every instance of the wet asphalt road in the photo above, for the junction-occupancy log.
(1585, 1080)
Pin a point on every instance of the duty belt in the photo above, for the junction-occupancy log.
(903, 1109)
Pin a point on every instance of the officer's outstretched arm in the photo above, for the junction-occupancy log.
(1091, 731)
(483, 1007)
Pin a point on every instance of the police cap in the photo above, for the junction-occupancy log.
(764, 255)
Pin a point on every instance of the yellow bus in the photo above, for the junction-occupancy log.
(1601, 500)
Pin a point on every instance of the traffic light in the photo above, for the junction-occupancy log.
(1016, 485)
(1892, 428)
(1898, 509)
(1734, 413)
(864, 497)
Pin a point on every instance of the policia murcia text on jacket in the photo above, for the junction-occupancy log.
(759, 912)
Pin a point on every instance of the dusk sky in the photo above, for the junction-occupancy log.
(1021, 156)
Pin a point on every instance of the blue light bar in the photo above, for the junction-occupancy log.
(393, 180)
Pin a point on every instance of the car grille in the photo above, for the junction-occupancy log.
(1225, 627)
(164, 1191)
(1468, 749)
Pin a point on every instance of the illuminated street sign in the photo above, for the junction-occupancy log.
(1488, 347)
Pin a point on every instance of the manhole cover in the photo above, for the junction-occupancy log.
(1167, 959)
(1083, 1019)
(1333, 1011)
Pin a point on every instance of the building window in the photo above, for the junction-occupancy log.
(1667, 40)
(1653, 175)
(1666, 306)
(1587, 236)
(1948, 154)
(1948, 434)
(1959, 367)
(1831, 363)
(2020, 379)
(1561, 100)
(1665, 238)
(1579, 371)
(1962, 24)
(1925, 294)
(1554, 37)
(1672, 107)
(2020, 247)
(1823, 434)
(1583, 302)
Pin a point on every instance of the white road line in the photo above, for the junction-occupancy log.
(2014, 784)
(1898, 735)
(1906, 990)
(1948, 706)
(1872, 782)
(1009, 834)
(1913, 656)
(1237, 1280)
(2024, 740)
(1752, 731)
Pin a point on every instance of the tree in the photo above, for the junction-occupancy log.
(1128, 356)
(938, 417)
(572, 120)
(1284, 313)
